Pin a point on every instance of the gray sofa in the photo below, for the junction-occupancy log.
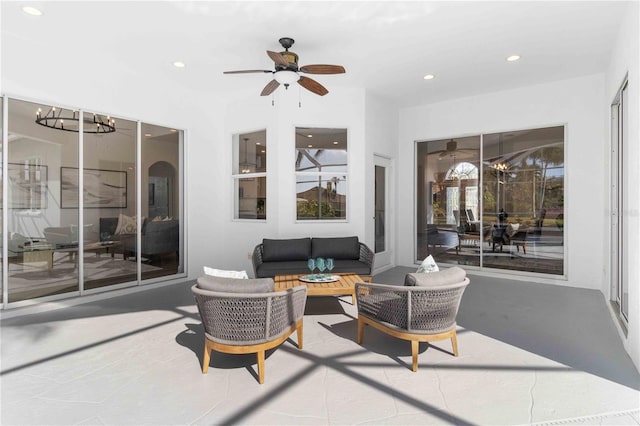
(158, 237)
(289, 256)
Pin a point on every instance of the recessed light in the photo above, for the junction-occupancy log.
(258, 143)
(429, 77)
(309, 146)
(174, 131)
(336, 142)
(30, 10)
(309, 136)
(263, 151)
(148, 135)
(513, 58)
(178, 64)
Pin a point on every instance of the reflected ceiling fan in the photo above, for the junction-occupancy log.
(452, 150)
(287, 71)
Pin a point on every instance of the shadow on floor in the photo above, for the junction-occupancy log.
(569, 325)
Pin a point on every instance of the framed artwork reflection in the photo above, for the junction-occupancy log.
(102, 188)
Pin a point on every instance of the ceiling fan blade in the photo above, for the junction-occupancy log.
(278, 58)
(269, 88)
(323, 69)
(247, 72)
(312, 86)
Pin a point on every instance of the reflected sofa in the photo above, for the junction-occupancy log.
(158, 237)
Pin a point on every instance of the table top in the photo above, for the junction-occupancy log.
(345, 285)
(92, 246)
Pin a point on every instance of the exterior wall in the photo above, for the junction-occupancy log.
(576, 103)
(624, 60)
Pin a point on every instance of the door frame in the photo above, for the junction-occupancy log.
(385, 259)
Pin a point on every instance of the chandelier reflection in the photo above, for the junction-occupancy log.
(69, 121)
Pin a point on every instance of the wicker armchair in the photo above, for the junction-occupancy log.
(423, 310)
(247, 321)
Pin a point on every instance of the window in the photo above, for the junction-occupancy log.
(321, 174)
(250, 175)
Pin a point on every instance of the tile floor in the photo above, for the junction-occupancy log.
(135, 360)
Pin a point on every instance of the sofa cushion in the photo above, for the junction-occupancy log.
(126, 225)
(271, 269)
(337, 248)
(284, 250)
(444, 277)
(235, 285)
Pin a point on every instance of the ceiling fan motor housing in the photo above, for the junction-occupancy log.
(291, 57)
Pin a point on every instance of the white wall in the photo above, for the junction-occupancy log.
(381, 131)
(625, 59)
(576, 103)
(342, 108)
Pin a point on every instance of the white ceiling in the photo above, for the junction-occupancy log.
(386, 46)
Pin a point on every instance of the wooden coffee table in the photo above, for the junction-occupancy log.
(345, 286)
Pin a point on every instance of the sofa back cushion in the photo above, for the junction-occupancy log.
(337, 248)
(285, 250)
(444, 277)
(236, 285)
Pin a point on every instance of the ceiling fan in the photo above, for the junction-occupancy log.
(287, 71)
(453, 151)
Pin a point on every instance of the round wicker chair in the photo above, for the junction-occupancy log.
(241, 323)
(419, 313)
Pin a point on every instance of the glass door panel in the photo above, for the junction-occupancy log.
(162, 229)
(380, 206)
(109, 178)
(523, 205)
(448, 227)
(40, 229)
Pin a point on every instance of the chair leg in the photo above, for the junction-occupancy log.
(414, 355)
(360, 331)
(454, 343)
(299, 331)
(260, 367)
(206, 358)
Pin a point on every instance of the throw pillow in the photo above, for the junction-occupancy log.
(126, 225)
(233, 285)
(225, 274)
(512, 228)
(428, 265)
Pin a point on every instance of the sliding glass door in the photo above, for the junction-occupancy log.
(504, 212)
(90, 201)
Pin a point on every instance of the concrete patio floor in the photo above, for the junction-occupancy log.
(529, 353)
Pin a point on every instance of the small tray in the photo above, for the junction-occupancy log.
(324, 278)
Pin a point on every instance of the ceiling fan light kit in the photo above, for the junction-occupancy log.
(286, 71)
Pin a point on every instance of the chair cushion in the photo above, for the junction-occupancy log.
(235, 285)
(512, 228)
(444, 277)
(337, 248)
(289, 249)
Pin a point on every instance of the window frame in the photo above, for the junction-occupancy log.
(237, 175)
(323, 176)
